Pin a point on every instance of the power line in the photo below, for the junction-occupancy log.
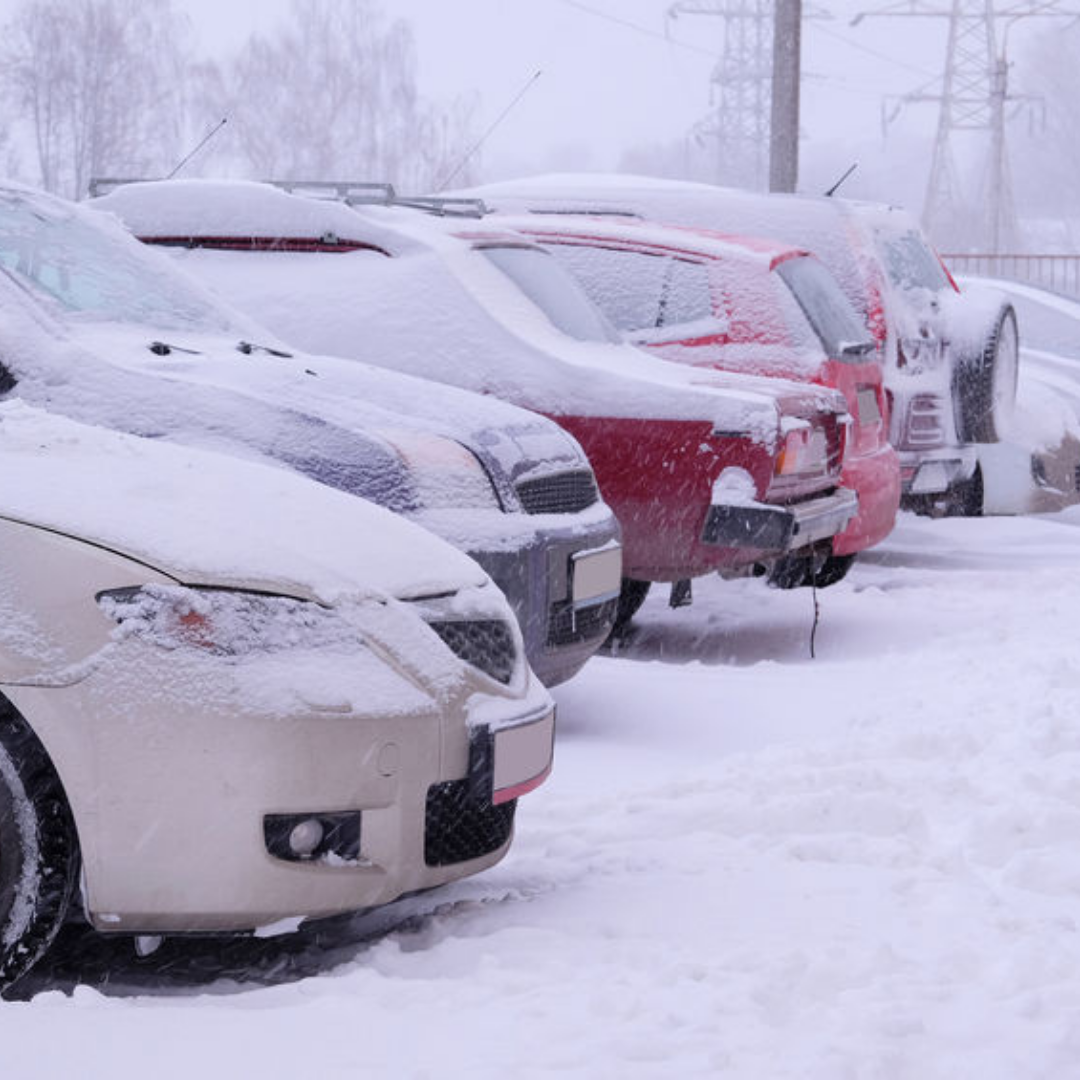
(641, 29)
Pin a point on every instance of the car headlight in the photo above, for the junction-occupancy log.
(224, 622)
(445, 474)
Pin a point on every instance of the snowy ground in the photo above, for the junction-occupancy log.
(747, 863)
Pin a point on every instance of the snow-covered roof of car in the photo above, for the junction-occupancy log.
(213, 519)
(448, 302)
(709, 243)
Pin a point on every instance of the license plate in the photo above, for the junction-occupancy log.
(595, 576)
(522, 757)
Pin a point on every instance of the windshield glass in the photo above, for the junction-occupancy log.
(553, 290)
(828, 309)
(93, 272)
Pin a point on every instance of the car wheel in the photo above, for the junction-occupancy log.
(985, 382)
(835, 568)
(965, 499)
(632, 595)
(38, 849)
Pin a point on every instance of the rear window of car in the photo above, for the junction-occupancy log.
(553, 290)
(911, 263)
(639, 290)
(826, 307)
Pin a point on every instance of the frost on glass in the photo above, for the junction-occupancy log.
(87, 271)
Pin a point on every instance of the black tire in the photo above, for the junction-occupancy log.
(632, 595)
(797, 571)
(790, 572)
(984, 382)
(39, 854)
(965, 499)
(834, 569)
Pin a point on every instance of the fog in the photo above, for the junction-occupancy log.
(565, 85)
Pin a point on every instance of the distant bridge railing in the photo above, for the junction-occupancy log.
(1059, 273)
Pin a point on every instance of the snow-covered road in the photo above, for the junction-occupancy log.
(747, 863)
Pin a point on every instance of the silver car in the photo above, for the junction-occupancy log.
(215, 716)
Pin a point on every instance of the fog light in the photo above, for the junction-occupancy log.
(305, 837)
(314, 836)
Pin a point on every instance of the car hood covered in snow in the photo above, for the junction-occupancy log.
(211, 519)
(218, 378)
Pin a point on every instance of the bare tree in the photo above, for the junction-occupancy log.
(332, 95)
(97, 85)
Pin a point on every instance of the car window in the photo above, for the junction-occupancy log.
(826, 307)
(911, 263)
(93, 272)
(553, 290)
(640, 291)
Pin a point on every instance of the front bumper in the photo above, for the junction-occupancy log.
(173, 765)
(779, 528)
(563, 586)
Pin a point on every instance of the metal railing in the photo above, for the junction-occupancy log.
(1058, 273)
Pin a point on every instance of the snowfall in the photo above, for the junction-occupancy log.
(748, 862)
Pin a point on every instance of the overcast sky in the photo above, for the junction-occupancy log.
(616, 74)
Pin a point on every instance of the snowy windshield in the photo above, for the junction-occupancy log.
(828, 309)
(639, 290)
(553, 290)
(89, 271)
(911, 263)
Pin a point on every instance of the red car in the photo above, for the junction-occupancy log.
(741, 305)
(706, 471)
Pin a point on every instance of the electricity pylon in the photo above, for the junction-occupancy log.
(741, 88)
(973, 98)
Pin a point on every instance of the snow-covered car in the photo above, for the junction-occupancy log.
(96, 326)
(744, 305)
(706, 471)
(217, 716)
(949, 360)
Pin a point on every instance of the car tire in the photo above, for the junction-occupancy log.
(984, 382)
(835, 568)
(965, 499)
(632, 595)
(39, 856)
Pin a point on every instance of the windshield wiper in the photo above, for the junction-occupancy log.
(163, 348)
(248, 347)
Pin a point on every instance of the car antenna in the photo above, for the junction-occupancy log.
(205, 139)
(442, 185)
(833, 190)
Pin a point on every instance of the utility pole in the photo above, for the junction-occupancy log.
(786, 72)
(974, 97)
(741, 88)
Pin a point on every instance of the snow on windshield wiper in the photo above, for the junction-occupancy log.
(247, 348)
(164, 348)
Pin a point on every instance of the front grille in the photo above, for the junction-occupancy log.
(567, 627)
(459, 827)
(561, 493)
(486, 644)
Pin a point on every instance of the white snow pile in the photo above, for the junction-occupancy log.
(745, 864)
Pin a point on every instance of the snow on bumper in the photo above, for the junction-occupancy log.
(774, 528)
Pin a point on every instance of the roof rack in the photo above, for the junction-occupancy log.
(372, 194)
(350, 192)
